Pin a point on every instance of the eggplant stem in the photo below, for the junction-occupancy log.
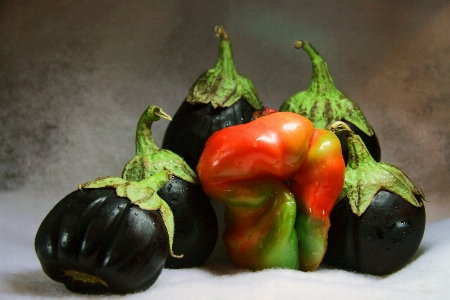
(221, 33)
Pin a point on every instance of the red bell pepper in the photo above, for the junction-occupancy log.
(279, 178)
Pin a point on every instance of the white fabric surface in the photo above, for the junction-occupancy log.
(425, 277)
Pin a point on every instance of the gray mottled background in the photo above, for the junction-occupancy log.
(75, 77)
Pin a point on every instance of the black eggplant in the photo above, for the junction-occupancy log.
(196, 227)
(379, 220)
(219, 98)
(96, 242)
(323, 104)
(100, 238)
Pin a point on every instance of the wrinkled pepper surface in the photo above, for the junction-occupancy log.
(279, 178)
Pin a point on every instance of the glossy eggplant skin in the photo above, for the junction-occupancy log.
(192, 125)
(95, 242)
(196, 227)
(380, 241)
(371, 142)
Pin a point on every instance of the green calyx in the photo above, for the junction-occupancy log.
(147, 172)
(143, 193)
(150, 159)
(364, 177)
(322, 102)
(222, 86)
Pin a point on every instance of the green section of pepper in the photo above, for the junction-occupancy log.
(263, 237)
(312, 233)
(222, 86)
(364, 177)
(322, 102)
(283, 250)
